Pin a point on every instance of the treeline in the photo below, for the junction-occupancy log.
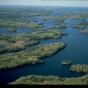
(19, 12)
(79, 68)
(84, 31)
(41, 34)
(19, 47)
(57, 19)
(51, 80)
(16, 17)
(63, 25)
(38, 34)
(79, 25)
(11, 29)
(17, 42)
(80, 15)
(46, 34)
(19, 23)
(29, 56)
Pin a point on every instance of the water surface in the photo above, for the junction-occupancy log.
(19, 30)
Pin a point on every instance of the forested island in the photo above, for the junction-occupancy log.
(51, 80)
(55, 80)
(58, 26)
(19, 42)
(84, 31)
(11, 30)
(79, 68)
(79, 25)
(29, 56)
(66, 62)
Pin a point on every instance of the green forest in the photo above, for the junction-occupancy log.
(51, 80)
(29, 56)
(79, 68)
(17, 42)
(84, 31)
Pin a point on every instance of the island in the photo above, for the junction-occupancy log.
(63, 25)
(33, 55)
(79, 68)
(11, 30)
(79, 25)
(18, 42)
(50, 80)
(66, 62)
(84, 31)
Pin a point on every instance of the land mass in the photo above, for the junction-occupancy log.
(29, 56)
(11, 29)
(51, 80)
(79, 68)
(84, 31)
(66, 62)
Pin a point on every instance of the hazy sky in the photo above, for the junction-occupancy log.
(45, 2)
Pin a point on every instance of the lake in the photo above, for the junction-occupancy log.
(19, 30)
(76, 51)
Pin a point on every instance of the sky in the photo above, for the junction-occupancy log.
(83, 3)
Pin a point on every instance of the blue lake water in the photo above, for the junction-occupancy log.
(76, 51)
(1, 45)
(87, 19)
(19, 30)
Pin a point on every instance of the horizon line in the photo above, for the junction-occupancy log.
(44, 5)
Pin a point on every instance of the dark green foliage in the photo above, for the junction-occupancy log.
(29, 56)
(28, 39)
(79, 68)
(78, 25)
(11, 41)
(51, 80)
(11, 30)
(84, 31)
(12, 23)
(16, 17)
(59, 26)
